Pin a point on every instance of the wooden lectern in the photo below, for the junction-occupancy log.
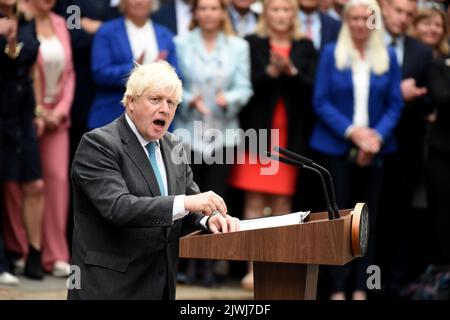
(286, 259)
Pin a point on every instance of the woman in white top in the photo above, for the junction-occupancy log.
(215, 66)
(358, 103)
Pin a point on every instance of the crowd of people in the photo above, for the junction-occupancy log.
(361, 86)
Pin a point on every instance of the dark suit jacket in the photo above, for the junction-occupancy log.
(416, 63)
(440, 94)
(296, 92)
(125, 243)
(166, 16)
(330, 29)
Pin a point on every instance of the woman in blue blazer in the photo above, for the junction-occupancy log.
(118, 44)
(358, 102)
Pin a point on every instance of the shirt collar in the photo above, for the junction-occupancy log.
(236, 15)
(132, 26)
(140, 138)
(388, 39)
(315, 17)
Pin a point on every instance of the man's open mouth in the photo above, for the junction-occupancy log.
(160, 122)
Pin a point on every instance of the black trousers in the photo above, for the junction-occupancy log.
(394, 249)
(354, 184)
(438, 186)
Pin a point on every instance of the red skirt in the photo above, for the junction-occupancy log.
(247, 176)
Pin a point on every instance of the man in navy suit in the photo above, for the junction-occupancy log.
(174, 15)
(402, 170)
(318, 26)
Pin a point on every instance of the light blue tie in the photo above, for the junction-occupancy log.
(152, 156)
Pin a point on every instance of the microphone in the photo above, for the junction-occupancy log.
(304, 166)
(311, 163)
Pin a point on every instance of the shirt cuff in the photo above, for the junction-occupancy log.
(203, 222)
(348, 131)
(178, 210)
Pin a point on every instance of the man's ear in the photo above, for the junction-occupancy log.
(131, 103)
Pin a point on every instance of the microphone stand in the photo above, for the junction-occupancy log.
(304, 166)
(311, 163)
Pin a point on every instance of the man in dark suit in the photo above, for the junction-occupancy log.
(174, 15)
(134, 196)
(403, 169)
(242, 17)
(318, 27)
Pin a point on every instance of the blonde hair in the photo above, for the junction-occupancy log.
(156, 76)
(123, 7)
(263, 30)
(226, 27)
(345, 53)
(442, 47)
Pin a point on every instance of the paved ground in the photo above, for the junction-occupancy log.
(52, 288)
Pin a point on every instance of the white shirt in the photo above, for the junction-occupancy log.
(333, 13)
(178, 210)
(316, 26)
(183, 14)
(361, 84)
(142, 39)
(53, 58)
(243, 24)
(399, 47)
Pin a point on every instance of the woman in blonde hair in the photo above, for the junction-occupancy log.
(282, 71)
(358, 102)
(216, 72)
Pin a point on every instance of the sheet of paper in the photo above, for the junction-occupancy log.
(274, 221)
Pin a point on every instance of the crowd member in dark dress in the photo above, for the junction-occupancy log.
(19, 146)
(282, 70)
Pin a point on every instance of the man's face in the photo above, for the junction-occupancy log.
(308, 5)
(152, 112)
(398, 15)
(242, 4)
(138, 8)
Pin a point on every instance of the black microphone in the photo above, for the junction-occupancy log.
(311, 163)
(304, 166)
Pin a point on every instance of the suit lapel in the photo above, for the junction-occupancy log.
(137, 155)
(406, 58)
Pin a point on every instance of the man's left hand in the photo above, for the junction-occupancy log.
(218, 224)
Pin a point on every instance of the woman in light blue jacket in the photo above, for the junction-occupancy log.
(215, 66)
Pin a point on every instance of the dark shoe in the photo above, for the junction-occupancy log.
(33, 267)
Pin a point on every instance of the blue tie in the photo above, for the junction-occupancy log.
(152, 156)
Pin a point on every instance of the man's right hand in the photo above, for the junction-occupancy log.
(410, 91)
(205, 203)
